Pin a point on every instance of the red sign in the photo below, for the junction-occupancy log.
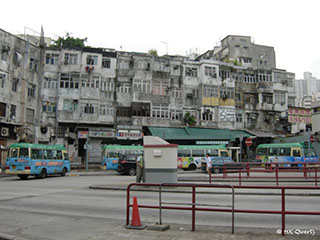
(312, 138)
(248, 142)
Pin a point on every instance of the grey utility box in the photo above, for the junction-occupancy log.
(160, 159)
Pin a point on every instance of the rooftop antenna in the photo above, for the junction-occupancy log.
(166, 46)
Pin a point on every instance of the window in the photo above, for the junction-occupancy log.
(262, 152)
(14, 87)
(213, 152)
(291, 101)
(264, 77)
(107, 85)
(50, 83)
(198, 153)
(70, 105)
(124, 112)
(210, 71)
(88, 81)
(224, 153)
(141, 109)
(210, 91)
(184, 153)
(92, 60)
(69, 80)
(250, 78)
(58, 155)
(176, 93)
(70, 58)
(296, 153)
(267, 98)
(33, 66)
(160, 111)
(224, 74)
(106, 62)
(14, 152)
(31, 90)
(176, 114)
(208, 115)
(239, 117)
(89, 109)
(5, 52)
(273, 151)
(52, 59)
(285, 152)
(280, 98)
(2, 79)
(141, 86)
(160, 89)
(13, 109)
(124, 88)
(238, 97)
(24, 152)
(191, 72)
(47, 154)
(36, 154)
(3, 108)
(227, 93)
(106, 110)
(49, 107)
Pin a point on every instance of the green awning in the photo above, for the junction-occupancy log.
(188, 133)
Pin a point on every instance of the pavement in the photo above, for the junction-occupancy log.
(153, 231)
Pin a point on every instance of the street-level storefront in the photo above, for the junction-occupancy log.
(94, 139)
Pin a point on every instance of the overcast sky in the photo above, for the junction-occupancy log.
(290, 26)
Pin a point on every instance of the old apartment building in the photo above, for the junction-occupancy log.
(71, 95)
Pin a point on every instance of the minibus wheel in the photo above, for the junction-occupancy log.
(43, 173)
(192, 167)
(64, 171)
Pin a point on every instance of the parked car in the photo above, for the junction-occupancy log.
(218, 165)
(127, 164)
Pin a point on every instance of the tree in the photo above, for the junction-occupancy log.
(69, 41)
(153, 52)
(189, 119)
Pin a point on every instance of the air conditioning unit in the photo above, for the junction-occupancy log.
(4, 132)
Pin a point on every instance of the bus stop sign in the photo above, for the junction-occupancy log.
(248, 142)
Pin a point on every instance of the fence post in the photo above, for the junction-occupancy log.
(316, 175)
(283, 209)
(193, 208)
(305, 170)
(239, 178)
(128, 203)
(277, 173)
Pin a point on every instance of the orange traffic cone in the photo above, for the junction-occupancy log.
(135, 221)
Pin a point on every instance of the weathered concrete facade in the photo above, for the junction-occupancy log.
(20, 68)
(108, 97)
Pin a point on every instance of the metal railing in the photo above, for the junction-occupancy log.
(308, 170)
(194, 207)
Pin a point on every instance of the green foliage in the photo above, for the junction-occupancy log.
(190, 119)
(235, 62)
(153, 52)
(69, 41)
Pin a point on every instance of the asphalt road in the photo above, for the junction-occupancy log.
(66, 208)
